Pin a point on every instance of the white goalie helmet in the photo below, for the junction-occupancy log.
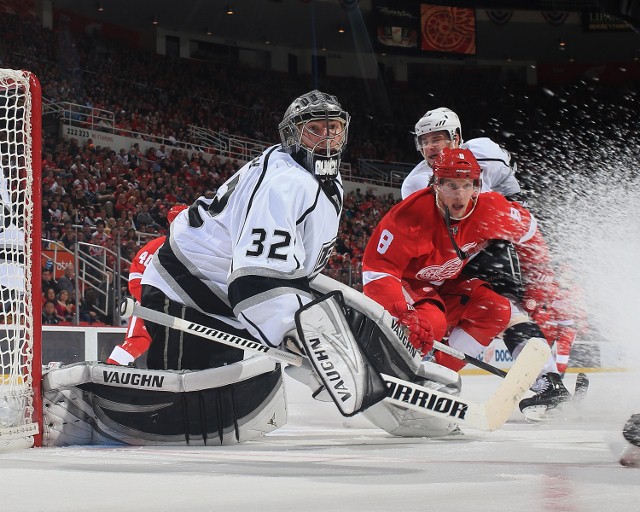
(319, 153)
(437, 120)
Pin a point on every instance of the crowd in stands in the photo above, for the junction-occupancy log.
(115, 198)
(162, 96)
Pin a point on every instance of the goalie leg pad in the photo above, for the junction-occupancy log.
(450, 381)
(94, 403)
(328, 342)
(402, 422)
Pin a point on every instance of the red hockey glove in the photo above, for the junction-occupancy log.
(418, 330)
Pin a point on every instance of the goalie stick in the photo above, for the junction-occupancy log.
(129, 307)
(488, 416)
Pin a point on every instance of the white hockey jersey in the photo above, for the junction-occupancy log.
(250, 252)
(497, 172)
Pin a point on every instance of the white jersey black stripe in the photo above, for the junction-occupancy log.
(254, 247)
(497, 170)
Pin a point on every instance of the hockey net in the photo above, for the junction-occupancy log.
(20, 234)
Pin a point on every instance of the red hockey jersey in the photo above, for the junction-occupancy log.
(140, 262)
(411, 247)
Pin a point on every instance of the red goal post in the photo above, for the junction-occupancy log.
(20, 248)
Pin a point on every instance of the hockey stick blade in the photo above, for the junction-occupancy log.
(212, 334)
(582, 386)
(488, 416)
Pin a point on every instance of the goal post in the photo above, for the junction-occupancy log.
(20, 260)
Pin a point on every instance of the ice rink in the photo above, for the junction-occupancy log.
(321, 461)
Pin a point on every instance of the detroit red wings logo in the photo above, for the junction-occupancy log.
(447, 270)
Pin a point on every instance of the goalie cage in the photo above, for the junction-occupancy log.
(20, 260)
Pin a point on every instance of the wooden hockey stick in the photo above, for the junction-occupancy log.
(488, 416)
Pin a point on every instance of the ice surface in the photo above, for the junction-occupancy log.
(321, 461)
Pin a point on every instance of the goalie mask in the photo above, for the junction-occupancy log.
(314, 132)
(438, 120)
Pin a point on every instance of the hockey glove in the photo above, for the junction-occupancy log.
(418, 330)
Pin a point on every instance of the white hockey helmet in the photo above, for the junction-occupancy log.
(437, 120)
(322, 160)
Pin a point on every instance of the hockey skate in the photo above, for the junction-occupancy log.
(631, 432)
(550, 393)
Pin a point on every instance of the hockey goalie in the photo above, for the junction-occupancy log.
(95, 403)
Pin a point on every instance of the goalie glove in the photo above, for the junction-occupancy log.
(418, 330)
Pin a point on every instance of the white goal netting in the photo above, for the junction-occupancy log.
(20, 305)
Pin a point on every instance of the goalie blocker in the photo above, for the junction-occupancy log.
(94, 403)
(329, 344)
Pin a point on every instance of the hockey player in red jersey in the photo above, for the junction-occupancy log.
(413, 264)
(441, 128)
(137, 339)
(553, 308)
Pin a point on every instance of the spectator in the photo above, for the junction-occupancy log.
(69, 239)
(106, 198)
(64, 307)
(68, 281)
(54, 239)
(54, 211)
(49, 315)
(111, 227)
(87, 233)
(143, 218)
(89, 311)
(98, 238)
(48, 280)
(106, 298)
(50, 294)
(90, 216)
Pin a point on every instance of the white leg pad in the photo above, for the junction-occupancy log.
(94, 403)
(402, 422)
